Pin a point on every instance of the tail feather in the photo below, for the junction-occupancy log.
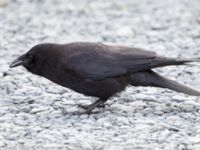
(150, 78)
(163, 61)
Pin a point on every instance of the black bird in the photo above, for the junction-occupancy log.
(99, 70)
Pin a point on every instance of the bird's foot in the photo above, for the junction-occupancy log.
(88, 106)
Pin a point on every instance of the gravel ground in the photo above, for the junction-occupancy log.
(38, 114)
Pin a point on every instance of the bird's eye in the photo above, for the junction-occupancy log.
(29, 59)
(29, 56)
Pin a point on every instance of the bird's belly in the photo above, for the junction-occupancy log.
(102, 88)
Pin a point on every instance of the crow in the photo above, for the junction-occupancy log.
(99, 70)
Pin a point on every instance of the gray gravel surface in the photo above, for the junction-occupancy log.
(38, 114)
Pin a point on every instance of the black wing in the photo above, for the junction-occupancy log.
(98, 61)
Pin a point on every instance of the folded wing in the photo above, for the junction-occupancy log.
(97, 62)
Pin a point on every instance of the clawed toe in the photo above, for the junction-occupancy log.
(84, 106)
(88, 106)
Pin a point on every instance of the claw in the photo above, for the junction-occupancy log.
(84, 106)
(88, 106)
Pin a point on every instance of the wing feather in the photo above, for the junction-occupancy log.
(98, 61)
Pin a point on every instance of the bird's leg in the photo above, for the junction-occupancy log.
(94, 105)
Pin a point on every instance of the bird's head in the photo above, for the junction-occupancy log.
(34, 59)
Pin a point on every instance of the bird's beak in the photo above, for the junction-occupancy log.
(19, 61)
